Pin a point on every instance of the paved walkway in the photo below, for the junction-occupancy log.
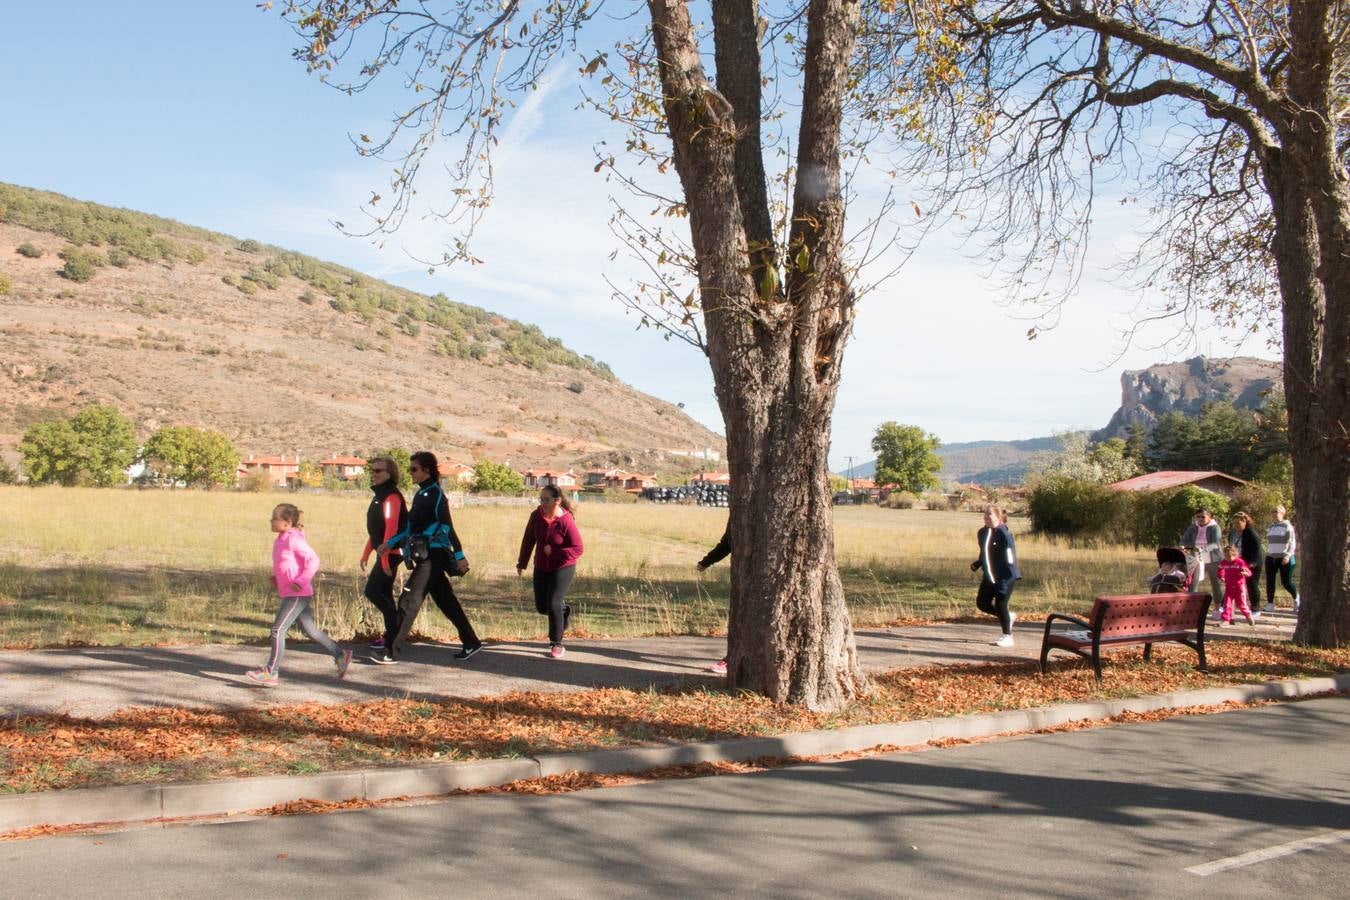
(96, 681)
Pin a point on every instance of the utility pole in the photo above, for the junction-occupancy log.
(850, 473)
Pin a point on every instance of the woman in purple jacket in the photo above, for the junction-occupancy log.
(552, 533)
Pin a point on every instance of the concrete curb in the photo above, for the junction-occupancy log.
(147, 803)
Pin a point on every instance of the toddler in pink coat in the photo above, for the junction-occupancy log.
(294, 565)
(1233, 572)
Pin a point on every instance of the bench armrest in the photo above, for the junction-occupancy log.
(1081, 623)
(1050, 619)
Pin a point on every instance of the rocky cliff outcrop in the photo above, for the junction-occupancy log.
(1185, 387)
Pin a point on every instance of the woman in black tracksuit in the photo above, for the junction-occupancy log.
(386, 516)
(998, 560)
(429, 518)
(720, 551)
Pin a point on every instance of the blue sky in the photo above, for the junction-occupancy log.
(196, 111)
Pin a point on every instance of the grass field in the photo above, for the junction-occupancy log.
(143, 567)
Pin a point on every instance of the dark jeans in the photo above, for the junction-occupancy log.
(429, 578)
(380, 591)
(550, 591)
(1286, 570)
(1254, 587)
(995, 602)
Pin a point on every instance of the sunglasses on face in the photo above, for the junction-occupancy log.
(375, 471)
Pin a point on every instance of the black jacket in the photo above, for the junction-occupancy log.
(430, 516)
(720, 552)
(376, 525)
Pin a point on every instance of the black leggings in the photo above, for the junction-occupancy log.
(380, 591)
(429, 578)
(995, 602)
(550, 590)
(1286, 570)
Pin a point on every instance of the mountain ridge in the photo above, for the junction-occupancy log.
(287, 353)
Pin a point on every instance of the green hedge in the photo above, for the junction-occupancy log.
(1092, 512)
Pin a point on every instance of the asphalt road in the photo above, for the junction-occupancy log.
(1144, 810)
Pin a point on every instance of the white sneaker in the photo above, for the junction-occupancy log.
(1005, 641)
(1296, 603)
(1269, 607)
(1012, 620)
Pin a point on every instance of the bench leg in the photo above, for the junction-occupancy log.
(1200, 651)
(1148, 652)
(1097, 661)
(1045, 652)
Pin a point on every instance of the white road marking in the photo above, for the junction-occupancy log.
(1256, 856)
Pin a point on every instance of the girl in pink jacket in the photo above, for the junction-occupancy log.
(294, 565)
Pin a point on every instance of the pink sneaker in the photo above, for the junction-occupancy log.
(556, 651)
(263, 677)
(719, 667)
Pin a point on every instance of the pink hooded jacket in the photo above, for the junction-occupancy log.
(294, 561)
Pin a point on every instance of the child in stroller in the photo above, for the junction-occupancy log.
(1172, 576)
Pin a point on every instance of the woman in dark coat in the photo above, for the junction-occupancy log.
(1248, 542)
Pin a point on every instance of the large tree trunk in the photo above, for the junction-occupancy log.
(1322, 462)
(774, 343)
(1317, 330)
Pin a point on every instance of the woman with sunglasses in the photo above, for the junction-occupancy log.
(553, 535)
(386, 516)
(429, 521)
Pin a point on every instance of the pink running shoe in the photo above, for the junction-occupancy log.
(344, 661)
(263, 677)
(719, 667)
(556, 651)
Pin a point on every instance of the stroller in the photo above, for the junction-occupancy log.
(1175, 574)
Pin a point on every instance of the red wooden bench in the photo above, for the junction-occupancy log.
(1146, 619)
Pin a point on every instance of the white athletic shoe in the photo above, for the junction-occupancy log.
(1012, 620)
(1005, 641)
(1269, 607)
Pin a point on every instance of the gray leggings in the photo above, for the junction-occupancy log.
(291, 611)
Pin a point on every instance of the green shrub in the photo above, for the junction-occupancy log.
(309, 298)
(119, 257)
(7, 473)
(80, 264)
(195, 256)
(1158, 518)
(247, 287)
(256, 482)
(229, 279)
(27, 249)
(6, 285)
(900, 500)
(249, 245)
(1079, 510)
(576, 387)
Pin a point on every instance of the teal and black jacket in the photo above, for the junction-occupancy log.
(430, 516)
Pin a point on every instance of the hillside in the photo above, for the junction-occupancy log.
(981, 462)
(284, 352)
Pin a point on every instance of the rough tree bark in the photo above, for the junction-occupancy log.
(775, 345)
(1317, 360)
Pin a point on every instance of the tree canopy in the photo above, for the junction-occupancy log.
(906, 457)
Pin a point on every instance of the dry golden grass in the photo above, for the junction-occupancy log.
(135, 567)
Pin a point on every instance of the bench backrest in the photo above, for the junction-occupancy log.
(1131, 614)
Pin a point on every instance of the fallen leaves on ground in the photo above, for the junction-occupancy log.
(47, 752)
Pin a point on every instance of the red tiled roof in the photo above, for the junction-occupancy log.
(343, 461)
(1157, 481)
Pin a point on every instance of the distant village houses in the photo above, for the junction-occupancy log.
(343, 467)
(280, 471)
(548, 477)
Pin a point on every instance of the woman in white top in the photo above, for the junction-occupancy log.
(1280, 547)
